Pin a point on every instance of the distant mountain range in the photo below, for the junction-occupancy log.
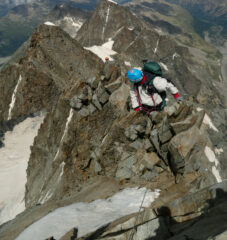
(209, 16)
(190, 20)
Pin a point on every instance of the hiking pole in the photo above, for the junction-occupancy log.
(133, 229)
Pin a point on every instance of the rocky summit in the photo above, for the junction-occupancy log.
(96, 169)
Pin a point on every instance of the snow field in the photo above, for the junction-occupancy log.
(14, 158)
(88, 217)
(104, 50)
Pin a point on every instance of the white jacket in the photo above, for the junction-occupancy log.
(161, 84)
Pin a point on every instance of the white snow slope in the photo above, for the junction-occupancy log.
(88, 217)
(103, 51)
(14, 158)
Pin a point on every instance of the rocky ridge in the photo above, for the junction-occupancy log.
(90, 134)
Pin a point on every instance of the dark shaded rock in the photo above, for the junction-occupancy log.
(184, 125)
(71, 235)
(148, 146)
(96, 102)
(164, 132)
(93, 82)
(111, 87)
(182, 113)
(155, 140)
(131, 133)
(76, 103)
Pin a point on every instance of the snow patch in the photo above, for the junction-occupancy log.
(164, 66)
(103, 51)
(49, 24)
(112, 1)
(65, 131)
(11, 106)
(212, 158)
(158, 30)
(14, 158)
(119, 30)
(175, 55)
(156, 48)
(218, 151)
(106, 21)
(73, 22)
(132, 42)
(127, 63)
(88, 217)
(208, 121)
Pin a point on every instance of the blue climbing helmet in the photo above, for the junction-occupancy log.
(134, 75)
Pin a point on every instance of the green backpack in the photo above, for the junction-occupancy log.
(151, 70)
(152, 67)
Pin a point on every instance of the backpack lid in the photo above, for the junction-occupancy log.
(153, 67)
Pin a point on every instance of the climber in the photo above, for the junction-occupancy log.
(148, 88)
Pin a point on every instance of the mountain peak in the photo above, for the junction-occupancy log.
(108, 19)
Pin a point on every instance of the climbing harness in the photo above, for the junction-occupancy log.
(146, 110)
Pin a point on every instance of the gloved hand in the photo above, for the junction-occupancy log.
(180, 99)
(137, 109)
(140, 109)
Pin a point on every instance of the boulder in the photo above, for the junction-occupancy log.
(91, 108)
(93, 82)
(164, 132)
(111, 87)
(76, 103)
(124, 173)
(181, 146)
(148, 146)
(128, 162)
(84, 112)
(119, 97)
(104, 97)
(111, 71)
(138, 144)
(195, 119)
(150, 160)
(96, 102)
(155, 140)
(97, 167)
(131, 133)
(149, 175)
